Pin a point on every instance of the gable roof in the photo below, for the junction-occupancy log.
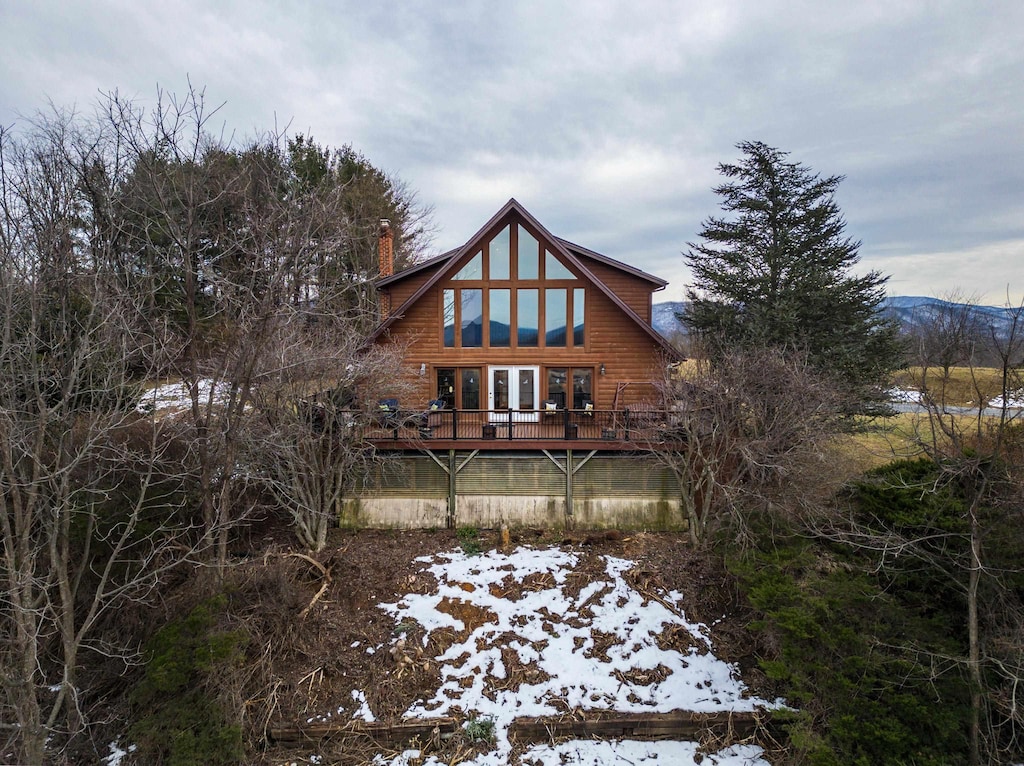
(573, 254)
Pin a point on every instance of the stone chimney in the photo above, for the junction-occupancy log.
(386, 256)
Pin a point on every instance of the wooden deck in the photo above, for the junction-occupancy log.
(615, 430)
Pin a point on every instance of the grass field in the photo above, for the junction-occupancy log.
(964, 387)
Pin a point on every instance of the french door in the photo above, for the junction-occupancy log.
(516, 389)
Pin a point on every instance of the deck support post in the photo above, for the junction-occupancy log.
(453, 473)
(568, 489)
(570, 471)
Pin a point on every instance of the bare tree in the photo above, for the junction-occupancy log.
(746, 433)
(136, 245)
(236, 242)
(948, 332)
(82, 526)
(316, 398)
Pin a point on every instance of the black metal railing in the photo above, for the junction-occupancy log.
(624, 425)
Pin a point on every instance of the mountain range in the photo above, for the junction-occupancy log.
(908, 310)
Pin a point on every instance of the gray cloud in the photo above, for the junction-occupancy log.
(606, 119)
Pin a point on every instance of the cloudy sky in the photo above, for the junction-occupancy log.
(605, 119)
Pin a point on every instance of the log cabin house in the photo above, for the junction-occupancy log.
(534, 368)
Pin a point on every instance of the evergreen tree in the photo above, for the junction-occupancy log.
(777, 271)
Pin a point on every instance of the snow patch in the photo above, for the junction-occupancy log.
(171, 398)
(117, 753)
(547, 651)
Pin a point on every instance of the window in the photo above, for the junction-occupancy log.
(500, 324)
(459, 387)
(449, 318)
(528, 258)
(472, 318)
(499, 255)
(446, 387)
(582, 386)
(472, 270)
(555, 269)
(528, 313)
(556, 385)
(554, 316)
(582, 391)
(471, 388)
(578, 333)
(497, 299)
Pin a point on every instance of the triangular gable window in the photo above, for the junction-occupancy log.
(555, 269)
(472, 270)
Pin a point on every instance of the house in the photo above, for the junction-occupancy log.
(519, 324)
(534, 372)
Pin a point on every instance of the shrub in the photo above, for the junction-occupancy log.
(178, 719)
(852, 647)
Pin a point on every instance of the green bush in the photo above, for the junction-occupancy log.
(469, 540)
(178, 719)
(851, 643)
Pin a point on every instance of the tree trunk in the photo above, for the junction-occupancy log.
(974, 649)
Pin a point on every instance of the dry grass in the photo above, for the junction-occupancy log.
(886, 439)
(901, 437)
(963, 388)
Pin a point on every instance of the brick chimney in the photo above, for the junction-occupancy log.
(386, 256)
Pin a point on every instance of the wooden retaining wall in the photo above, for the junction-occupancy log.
(725, 727)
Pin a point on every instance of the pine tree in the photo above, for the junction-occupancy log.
(778, 272)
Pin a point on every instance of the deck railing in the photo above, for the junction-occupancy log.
(625, 425)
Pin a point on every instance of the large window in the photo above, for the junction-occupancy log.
(500, 324)
(528, 317)
(554, 317)
(472, 318)
(513, 293)
(581, 380)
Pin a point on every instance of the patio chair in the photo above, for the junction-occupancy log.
(388, 413)
(550, 410)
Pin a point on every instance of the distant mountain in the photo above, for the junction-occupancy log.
(908, 310)
(663, 317)
(911, 311)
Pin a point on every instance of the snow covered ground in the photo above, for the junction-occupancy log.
(1014, 400)
(904, 396)
(911, 396)
(171, 398)
(527, 644)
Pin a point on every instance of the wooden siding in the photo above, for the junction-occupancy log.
(629, 354)
(633, 291)
(403, 289)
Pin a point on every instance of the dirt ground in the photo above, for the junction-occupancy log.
(315, 621)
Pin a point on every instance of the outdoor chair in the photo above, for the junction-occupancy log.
(550, 410)
(388, 413)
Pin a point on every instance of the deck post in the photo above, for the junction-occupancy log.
(568, 489)
(452, 474)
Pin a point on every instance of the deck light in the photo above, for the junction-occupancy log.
(602, 368)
